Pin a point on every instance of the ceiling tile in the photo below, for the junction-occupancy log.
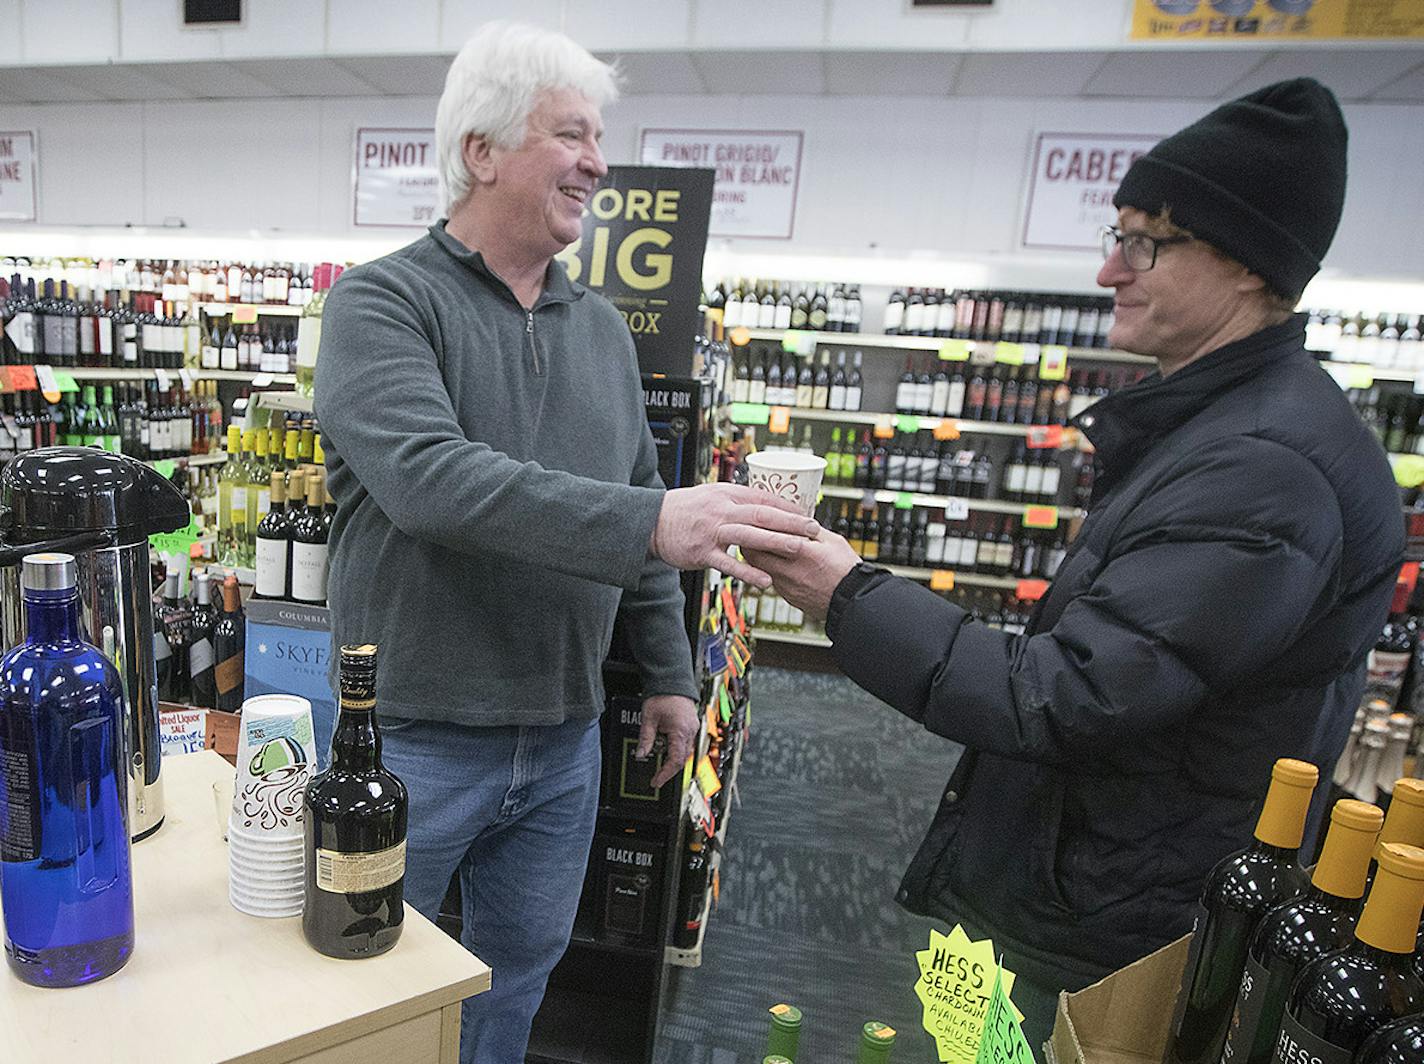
(307, 77)
(1409, 87)
(892, 74)
(30, 85)
(1173, 74)
(1052, 74)
(1353, 74)
(211, 81)
(659, 73)
(114, 81)
(401, 75)
(761, 73)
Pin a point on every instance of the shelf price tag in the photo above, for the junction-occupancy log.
(1350, 375)
(244, 314)
(66, 381)
(262, 380)
(956, 509)
(724, 704)
(942, 580)
(21, 378)
(1031, 590)
(1419, 385)
(1040, 517)
(948, 429)
(49, 386)
(885, 427)
(707, 779)
(955, 350)
(1007, 354)
(1053, 363)
(1044, 436)
(186, 376)
(749, 413)
(779, 420)
(740, 336)
(904, 500)
(907, 423)
(161, 376)
(798, 343)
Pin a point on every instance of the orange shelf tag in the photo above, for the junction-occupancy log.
(244, 314)
(1031, 590)
(22, 378)
(942, 580)
(780, 422)
(948, 429)
(1044, 436)
(740, 336)
(1041, 517)
(707, 777)
(885, 427)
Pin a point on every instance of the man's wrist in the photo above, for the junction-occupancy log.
(860, 575)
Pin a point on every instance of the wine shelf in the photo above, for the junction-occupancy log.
(692, 956)
(107, 373)
(278, 309)
(874, 417)
(993, 506)
(967, 579)
(284, 401)
(934, 343)
(802, 638)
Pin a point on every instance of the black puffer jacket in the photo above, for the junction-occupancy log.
(1213, 615)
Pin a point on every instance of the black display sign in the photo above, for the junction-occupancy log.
(644, 234)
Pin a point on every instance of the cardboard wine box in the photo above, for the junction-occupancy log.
(622, 902)
(1123, 1018)
(628, 782)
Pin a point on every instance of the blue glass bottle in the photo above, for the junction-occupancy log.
(64, 837)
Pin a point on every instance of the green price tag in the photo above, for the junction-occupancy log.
(904, 500)
(955, 350)
(66, 381)
(176, 542)
(749, 413)
(1008, 354)
(907, 423)
(164, 467)
(791, 340)
(724, 705)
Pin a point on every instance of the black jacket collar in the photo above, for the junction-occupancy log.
(557, 286)
(1121, 426)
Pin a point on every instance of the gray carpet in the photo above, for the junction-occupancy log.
(836, 790)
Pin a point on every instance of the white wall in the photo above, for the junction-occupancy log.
(898, 176)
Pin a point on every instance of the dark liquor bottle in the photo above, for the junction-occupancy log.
(1401, 1042)
(692, 892)
(805, 385)
(821, 384)
(274, 545)
(1238, 892)
(1299, 931)
(1345, 996)
(836, 398)
(229, 645)
(309, 558)
(863, 455)
(172, 633)
(905, 390)
(854, 384)
(354, 827)
(879, 465)
(201, 659)
(67, 888)
(756, 391)
(895, 312)
(886, 549)
(784, 1038)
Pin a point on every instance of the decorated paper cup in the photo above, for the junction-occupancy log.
(275, 755)
(791, 475)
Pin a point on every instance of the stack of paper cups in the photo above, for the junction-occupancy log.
(276, 751)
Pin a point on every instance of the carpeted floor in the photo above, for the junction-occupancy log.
(836, 790)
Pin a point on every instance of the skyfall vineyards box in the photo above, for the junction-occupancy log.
(288, 650)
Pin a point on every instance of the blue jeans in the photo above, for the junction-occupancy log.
(512, 809)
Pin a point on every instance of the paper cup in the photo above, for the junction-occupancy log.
(246, 903)
(276, 752)
(275, 888)
(791, 475)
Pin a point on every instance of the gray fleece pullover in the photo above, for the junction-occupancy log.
(496, 488)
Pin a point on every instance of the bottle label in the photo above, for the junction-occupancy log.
(308, 340)
(1189, 973)
(238, 503)
(359, 873)
(1296, 1045)
(200, 657)
(1246, 1020)
(309, 572)
(210, 357)
(272, 567)
(20, 838)
(894, 316)
(228, 674)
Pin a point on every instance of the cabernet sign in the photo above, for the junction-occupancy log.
(757, 174)
(17, 176)
(1071, 188)
(396, 179)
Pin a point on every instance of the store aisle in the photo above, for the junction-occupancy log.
(836, 791)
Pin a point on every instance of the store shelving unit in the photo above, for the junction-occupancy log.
(692, 957)
(245, 309)
(802, 638)
(739, 415)
(107, 373)
(881, 341)
(993, 506)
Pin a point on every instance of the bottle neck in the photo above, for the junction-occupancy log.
(356, 744)
(52, 616)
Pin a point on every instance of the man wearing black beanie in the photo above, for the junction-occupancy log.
(1214, 612)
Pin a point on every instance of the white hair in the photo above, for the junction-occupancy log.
(492, 87)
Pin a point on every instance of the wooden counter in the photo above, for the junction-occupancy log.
(207, 983)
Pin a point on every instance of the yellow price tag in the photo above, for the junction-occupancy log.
(244, 314)
(707, 777)
(780, 420)
(1053, 363)
(955, 350)
(1008, 354)
(942, 580)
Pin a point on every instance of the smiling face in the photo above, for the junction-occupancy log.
(1181, 307)
(535, 194)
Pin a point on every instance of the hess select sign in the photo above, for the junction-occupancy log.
(644, 234)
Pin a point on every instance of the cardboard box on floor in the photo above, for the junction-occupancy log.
(1123, 1018)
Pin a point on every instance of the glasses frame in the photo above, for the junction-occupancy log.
(1117, 236)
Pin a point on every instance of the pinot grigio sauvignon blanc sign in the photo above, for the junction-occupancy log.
(758, 173)
(395, 178)
(18, 176)
(1071, 187)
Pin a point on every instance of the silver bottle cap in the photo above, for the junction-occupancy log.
(48, 572)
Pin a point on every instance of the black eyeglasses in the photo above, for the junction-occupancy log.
(1139, 250)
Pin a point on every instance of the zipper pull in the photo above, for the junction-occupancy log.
(529, 324)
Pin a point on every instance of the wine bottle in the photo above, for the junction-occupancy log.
(1297, 932)
(354, 825)
(1342, 998)
(692, 892)
(309, 557)
(201, 659)
(1401, 1042)
(783, 1039)
(274, 545)
(229, 645)
(64, 838)
(1238, 892)
(172, 633)
(876, 1041)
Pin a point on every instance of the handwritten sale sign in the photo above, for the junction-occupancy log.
(957, 982)
(1072, 184)
(396, 180)
(757, 174)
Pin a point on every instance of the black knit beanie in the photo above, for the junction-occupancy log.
(1261, 178)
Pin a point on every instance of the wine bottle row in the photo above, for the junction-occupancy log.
(1385, 341)
(140, 421)
(199, 641)
(1396, 420)
(1011, 317)
(781, 305)
(176, 280)
(1287, 966)
(767, 611)
(772, 377)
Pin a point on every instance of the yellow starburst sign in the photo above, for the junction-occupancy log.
(955, 985)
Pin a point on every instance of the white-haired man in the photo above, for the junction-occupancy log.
(496, 502)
